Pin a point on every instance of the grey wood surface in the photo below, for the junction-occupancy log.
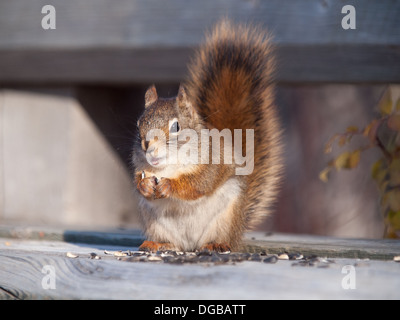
(378, 249)
(274, 243)
(24, 260)
(22, 274)
(129, 41)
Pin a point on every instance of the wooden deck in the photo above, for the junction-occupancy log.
(30, 257)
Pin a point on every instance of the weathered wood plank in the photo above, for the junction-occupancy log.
(148, 23)
(23, 266)
(296, 64)
(380, 249)
(142, 41)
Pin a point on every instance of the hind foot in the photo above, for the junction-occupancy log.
(219, 247)
(153, 246)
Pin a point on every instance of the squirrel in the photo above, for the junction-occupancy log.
(198, 206)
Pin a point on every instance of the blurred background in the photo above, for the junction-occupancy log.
(70, 97)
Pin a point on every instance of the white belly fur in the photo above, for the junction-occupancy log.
(190, 224)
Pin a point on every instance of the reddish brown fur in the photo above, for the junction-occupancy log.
(153, 246)
(232, 99)
(229, 87)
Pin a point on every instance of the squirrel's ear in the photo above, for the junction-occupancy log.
(150, 96)
(183, 101)
(182, 96)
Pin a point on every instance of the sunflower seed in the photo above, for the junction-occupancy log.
(204, 252)
(283, 256)
(295, 256)
(164, 254)
(188, 254)
(271, 259)
(154, 258)
(120, 254)
(93, 255)
(71, 255)
(255, 257)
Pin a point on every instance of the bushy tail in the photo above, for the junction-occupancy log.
(230, 85)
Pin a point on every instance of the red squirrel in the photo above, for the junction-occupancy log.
(196, 206)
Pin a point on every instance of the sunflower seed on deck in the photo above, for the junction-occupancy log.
(271, 259)
(71, 255)
(120, 254)
(255, 257)
(93, 255)
(283, 256)
(154, 258)
(295, 256)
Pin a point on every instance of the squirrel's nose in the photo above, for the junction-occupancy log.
(152, 150)
(150, 146)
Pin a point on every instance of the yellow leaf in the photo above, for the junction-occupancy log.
(354, 159)
(352, 129)
(379, 174)
(376, 168)
(323, 176)
(367, 129)
(394, 173)
(393, 219)
(370, 130)
(342, 161)
(386, 104)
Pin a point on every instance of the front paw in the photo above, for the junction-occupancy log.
(147, 186)
(163, 189)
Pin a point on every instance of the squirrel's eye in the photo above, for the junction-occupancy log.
(175, 127)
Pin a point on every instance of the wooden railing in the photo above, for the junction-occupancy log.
(137, 41)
